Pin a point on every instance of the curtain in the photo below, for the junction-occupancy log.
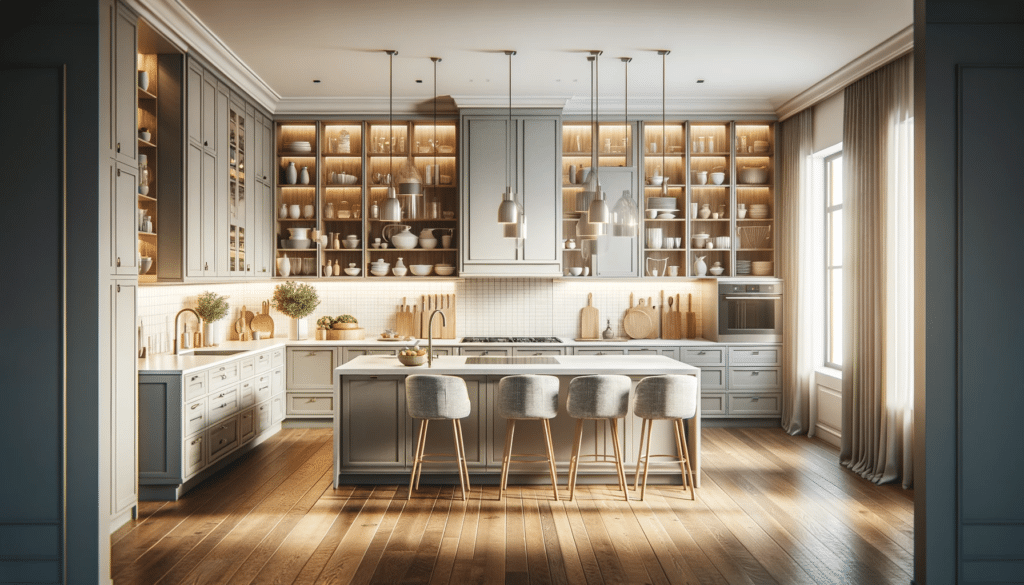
(800, 208)
(878, 275)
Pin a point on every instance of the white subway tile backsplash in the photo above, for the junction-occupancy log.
(498, 306)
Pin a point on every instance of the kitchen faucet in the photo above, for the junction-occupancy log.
(430, 335)
(177, 344)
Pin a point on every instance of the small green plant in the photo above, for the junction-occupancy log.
(325, 322)
(346, 319)
(212, 306)
(295, 300)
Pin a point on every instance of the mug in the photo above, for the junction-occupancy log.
(673, 271)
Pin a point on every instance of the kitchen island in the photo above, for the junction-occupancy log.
(373, 432)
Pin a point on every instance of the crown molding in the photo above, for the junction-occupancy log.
(183, 28)
(895, 46)
(469, 102)
(611, 108)
(362, 107)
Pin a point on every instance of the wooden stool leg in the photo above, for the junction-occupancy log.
(416, 458)
(506, 460)
(458, 457)
(551, 456)
(685, 456)
(462, 452)
(647, 458)
(639, 458)
(419, 454)
(574, 460)
(618, 458)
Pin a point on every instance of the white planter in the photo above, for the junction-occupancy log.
(298, 329)
(213, 333)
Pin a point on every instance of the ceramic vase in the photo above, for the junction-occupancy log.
(298, 329)
(705, 211)
(284, 266)
(572, 174)
(304, 176)
(307, 212)
(213, 333)
(143, 80)
(337, 268)
(699, 267)
(294, 211)
(291, 174)
(284, 211)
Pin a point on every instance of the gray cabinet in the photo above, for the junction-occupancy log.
(123, 138)
(617, 256)
(205, 193)
(121, 183)
(536, 178)
(742, 381)
(120, 366)
(310, 388)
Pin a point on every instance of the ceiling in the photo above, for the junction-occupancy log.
(746, 51)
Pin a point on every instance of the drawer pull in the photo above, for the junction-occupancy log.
(222, 427)
(755, 373)
(221, 441)
(221, 395)
(206, 265)
(195, 406)
(755, 353)
(311, 354)
(702, 353)
(200, 417)
(600, 353)
(538, 353)
(196, 441)
(118, 150)
(311, 401)
(194, 378)
(755, 398)
(222, 368)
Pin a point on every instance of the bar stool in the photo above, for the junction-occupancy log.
(437, 398)
(597, 397)
(665, 398)
(528, 397)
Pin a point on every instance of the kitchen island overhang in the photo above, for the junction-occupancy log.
(373, 434)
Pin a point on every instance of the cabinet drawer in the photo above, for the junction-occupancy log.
(277, 409)
(195, 454)
(755, 404)
(310, 369)
(262, 417)
(263, 388)
(753, 356)
(712, 379)
(223, 405)
(531, 351)
(669, 352)
(354, 352)
(704, 356)
(247, 425)
(277, 357)
(247, 394)
(223, 438)
(195, 416)
(713, 403)
(264, 362)
(221, 376)
(196, 385)
(753, 378)
(604, 351)
(491, 351)
(277, 381)
(247, 368)
(302, 404)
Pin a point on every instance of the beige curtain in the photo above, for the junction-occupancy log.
(878, 271)
(800, 208)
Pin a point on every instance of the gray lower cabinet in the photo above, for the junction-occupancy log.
(671, 352)
(310, 388)
(119, 372)
(190, 425)
(738, 381)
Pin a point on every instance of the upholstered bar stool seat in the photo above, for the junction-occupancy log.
(665, 398)
(528, 397)
(437, 398)
(604, 397)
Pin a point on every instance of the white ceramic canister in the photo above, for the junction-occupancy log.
(291, 175)
(304, 176)
(294, 211)
(655, 238)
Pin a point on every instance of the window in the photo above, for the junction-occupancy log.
(834, 260)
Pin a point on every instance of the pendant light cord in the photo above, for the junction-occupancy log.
(664, 127)
(508, 140)
(597, 122)
(437, 171)
(391, 106)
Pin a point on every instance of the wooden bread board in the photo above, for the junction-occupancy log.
(407, 320)
(636, 323)
(671, 323)
(691, 318)
(447, 307)
(652, 313)
(263, 322)
(590, 320)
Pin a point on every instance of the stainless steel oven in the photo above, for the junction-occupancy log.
(750, 312)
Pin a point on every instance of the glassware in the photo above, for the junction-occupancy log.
(711, 144)
(743, 144)
(700, 144)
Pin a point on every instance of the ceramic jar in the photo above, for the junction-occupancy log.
(427, 240)
(705, 211)
(400, 236)
(291, 174)
(699, 267)
(307, 212)
(304, 176)
(294, 211)
(284, 211)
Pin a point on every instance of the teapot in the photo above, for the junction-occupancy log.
(400, 236)
(427, 239)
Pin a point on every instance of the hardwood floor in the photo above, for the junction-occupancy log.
(772, 509)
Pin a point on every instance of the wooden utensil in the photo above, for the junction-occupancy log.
(691, 318)
(652, 312)
(448, 310)
(405, 325)
(242, 327)
(263, 322)
(590, 320)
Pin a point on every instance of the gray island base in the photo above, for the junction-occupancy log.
(373, 433)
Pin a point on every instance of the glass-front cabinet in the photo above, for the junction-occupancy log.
(237, 212)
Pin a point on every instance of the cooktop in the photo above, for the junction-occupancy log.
(510, 360)
(511, 340)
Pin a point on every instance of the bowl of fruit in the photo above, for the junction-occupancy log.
(413, 356)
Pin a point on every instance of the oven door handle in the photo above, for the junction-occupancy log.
(777, 298)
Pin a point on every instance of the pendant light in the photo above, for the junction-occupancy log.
(508, 210)
(625, 215)
(664, 126)
(598, 210)
(391, 209)
(585, 229)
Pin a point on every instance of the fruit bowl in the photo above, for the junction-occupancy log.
(412, 360)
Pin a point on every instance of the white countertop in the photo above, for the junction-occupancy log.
(566, 365)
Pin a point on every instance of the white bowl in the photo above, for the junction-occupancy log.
(145, 263)
(379, 271)
(350, 243)
(666, 216)
(576, 270)
(700, 241)
(345, 179)
(421, 269)
(652, 213)
(716, 270)
(656, 181)
(428, 244)
(354, 271)
(398, 271)
(444, 269)
(298, 233)
(718, 178)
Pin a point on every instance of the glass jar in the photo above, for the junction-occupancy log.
(329, 210)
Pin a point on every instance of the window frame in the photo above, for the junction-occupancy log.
(829, 210)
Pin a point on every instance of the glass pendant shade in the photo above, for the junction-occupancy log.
(588, 230)
(508, 210)
(391, 209)
(625, 216)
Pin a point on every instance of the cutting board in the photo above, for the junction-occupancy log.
(691, 318)
(242, 327)
(447, 306)
(429, 303)
(263, 322)
(407, 321)
(671, 325)
(590, 320)
(636, 322)
(652, 314)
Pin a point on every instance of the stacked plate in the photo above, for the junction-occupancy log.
(298, 146)
(762, 268)
(757, 211)
(742, 266)
(760, 146)
(666, 204)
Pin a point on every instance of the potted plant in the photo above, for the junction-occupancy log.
(211, 308)
(345, 322)
(323, 325)
(297, 301)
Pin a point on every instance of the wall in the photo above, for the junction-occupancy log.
(828, 122)
(484, 306)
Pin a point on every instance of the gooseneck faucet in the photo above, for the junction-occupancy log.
(430, 335)
(177, 343)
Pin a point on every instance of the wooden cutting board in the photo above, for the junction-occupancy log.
(636, 323)
(407, 320)
(652, 313)
(430, 302)
(691, 318)
(447, 307)
(242, 327)
(263, 322)
(671, 327)
(590, 320)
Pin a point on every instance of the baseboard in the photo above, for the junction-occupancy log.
(307, 423)
(742, 423)
(828, 434)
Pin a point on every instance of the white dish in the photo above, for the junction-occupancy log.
(420, 269)
(666, 216)
(379, 272)
(399, 271)
(353, 271)
(444, 269)
(716, 270)
(576, 270)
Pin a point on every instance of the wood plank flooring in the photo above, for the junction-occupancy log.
(772, 509)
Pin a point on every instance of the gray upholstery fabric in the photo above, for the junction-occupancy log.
(528, 396)
(436, 397)
(666, 397)
(605, 396)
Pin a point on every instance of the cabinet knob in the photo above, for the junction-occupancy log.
(119, 150)
(248, 267)
(205, 143)
(600, 353)
(486, 353)
(311, 400)
(197, 440)
(119, 261)
(206, 265)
